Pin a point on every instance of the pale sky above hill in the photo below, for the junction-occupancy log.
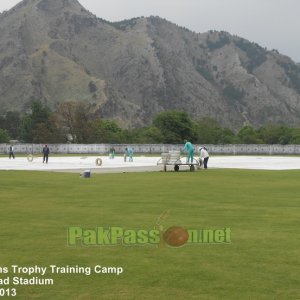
(270, 23)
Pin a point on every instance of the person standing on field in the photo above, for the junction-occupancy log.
(130, 154)
(112, 152)
(204, 155)
(188, 146)
(46, 152)
(11, 152)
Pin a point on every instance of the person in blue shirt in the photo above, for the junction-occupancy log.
(189, 148)
(129, 154)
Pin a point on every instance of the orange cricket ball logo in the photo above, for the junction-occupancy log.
(176, 236)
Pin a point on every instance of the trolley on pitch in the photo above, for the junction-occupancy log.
(173, 158)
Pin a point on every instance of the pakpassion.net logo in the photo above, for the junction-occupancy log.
(174, 236)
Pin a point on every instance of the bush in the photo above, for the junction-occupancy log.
(256, 54)
(232, 93)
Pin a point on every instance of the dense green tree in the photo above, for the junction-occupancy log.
(151, 135)
(146, 135)
(4, 136)
(295, 136)
(175, 126)
(226, 136)
(210, 132)
(105, 131)
(39, 115)
(26, 129)
(248, 135)
(75, 119)
(275, 134)
(11, 122)
(48, 132)
(2, 121)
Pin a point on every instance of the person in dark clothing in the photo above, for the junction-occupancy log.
(11, 152)
(46, 152)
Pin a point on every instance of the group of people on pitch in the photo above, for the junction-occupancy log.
(45, 152)
(128, 153)
(190, 149)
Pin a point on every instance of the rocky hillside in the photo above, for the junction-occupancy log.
(56, 51)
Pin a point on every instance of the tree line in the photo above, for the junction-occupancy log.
(74, 122)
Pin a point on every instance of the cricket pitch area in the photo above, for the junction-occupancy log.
(144, 163)
(120, 234)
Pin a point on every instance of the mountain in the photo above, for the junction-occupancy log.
(55, 51)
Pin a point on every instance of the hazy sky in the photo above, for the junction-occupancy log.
(270, 23)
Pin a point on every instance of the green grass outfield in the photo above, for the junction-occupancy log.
(262, 208)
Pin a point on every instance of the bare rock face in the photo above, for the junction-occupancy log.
(55, 51)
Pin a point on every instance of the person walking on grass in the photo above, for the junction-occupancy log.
(46, 152)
